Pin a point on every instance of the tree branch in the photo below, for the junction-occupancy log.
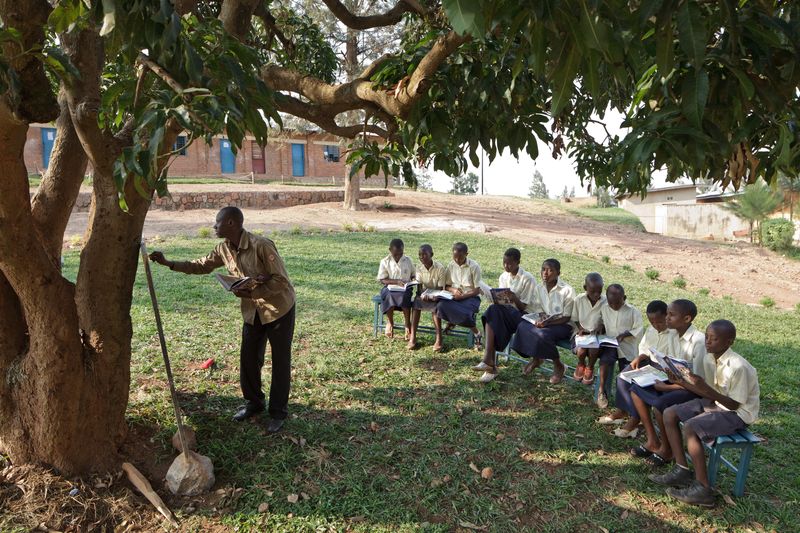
(390, 18)
(324, 117)
(235, 16)
(272, 25)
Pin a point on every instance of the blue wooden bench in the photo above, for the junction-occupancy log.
(507, 354)
(742, 440)
(378, 324)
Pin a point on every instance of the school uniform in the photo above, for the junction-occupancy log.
(616, 321)
(402, 270)
(692, 348)
(587, 316)
(531, 341)
(434, 278)
(504, 319)
(269, 316)
(465, 277)
(665, 342)
(733, 376)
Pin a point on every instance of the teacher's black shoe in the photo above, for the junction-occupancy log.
(247, 411)
(274, 425)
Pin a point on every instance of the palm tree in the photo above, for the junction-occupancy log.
(755, 204)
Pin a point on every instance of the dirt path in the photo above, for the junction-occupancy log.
(745, 272)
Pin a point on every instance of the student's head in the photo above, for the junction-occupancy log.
(426, 254)
(228, 224)
(593, 285)
(657, 314)
(680, 314)
(396, 248)
(615, 295)
(720, 335)
(460, 252)
(511, 260)
(551, 269)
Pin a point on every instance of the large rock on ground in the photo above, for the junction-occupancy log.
(190, 474)
(189, 435)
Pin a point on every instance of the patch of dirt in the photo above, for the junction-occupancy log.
(745, 272)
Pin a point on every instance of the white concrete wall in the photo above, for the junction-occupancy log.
(698, 221)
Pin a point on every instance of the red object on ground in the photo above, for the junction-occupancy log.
(207, 364)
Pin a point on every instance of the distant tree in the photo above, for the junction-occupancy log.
(603, 196)
(538, 188)
(790, 186)
(424, 180)
(564, 194)
(572, 192)
(754, 205)
(465, 184)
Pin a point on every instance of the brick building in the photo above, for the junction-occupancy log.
(290, 156)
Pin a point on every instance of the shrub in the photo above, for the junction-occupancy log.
(767, 302)
(204, 232)
(777, 234)
(259, 232)
(296, 230)
(704, 291)
(797, 308)
(347, 227)
(652, 273)
(627, 268)
(679, 282)
(605, 259)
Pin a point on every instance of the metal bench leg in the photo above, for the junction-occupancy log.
(376, 319)
(713, 464)
(744, 467)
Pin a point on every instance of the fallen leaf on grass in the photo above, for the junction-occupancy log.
(728, 499)
(604, 530)
(487, 473)
(374, 427)
(499, 437)
(292, 498)
(470, 525)
(435, 482)
(624, 514)
(357, 519)
(581, 457)
(263, 508)
(446, 479)
(474, 468)
(305, 496)
(601, 452)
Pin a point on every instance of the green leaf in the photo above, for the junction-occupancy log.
(692, 34)
(563, 77)
(465, 16)
(694, 94)
(665, 46)
(744, 81)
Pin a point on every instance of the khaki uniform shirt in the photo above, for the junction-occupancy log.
(465, 277)
(586, 315)
(665, 342)
(391, 269)
(523, 285)
(558, 301)
(627, 318)
(256, 255)
(733, 376)
(434, 278)
(693, 349)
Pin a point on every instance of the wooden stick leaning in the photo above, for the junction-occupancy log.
(141, 483)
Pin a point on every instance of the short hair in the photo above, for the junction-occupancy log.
(657, 307)
(554, 264)
(396, 243)
(513, 253)
(594, 277)
(725, 327)
(686, 307)
(426, 247)
(232, 212)
(461, 247)
(616, 286)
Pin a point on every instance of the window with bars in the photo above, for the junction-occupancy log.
(180, 145)
(330, 152)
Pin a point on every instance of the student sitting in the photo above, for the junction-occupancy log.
(728, 401)
(500, 321)
(431, 275)
(396, 269)
(586, 321)
(622, 321)
(657, 336)
(554, 301)
(680, 315)
(463, 281)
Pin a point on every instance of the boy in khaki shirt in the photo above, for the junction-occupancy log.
(431, 275)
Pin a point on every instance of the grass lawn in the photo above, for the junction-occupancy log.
(614, 215)
(382, 439)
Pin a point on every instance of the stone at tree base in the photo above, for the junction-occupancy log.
(190, 437)
(190, 474)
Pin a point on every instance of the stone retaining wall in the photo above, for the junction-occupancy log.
(181, 201)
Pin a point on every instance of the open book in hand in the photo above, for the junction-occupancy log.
(433, 294)
(501, 296)
(595, 341)
(233, 283)
(679, 367)
(533, 318)
(644, 376)
(402, 288)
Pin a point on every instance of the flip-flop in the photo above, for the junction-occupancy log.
(641, 452)
(657, 461)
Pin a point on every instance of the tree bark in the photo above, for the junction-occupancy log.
(352, 184)
(352, 191)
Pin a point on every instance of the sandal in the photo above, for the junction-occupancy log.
(478, 342)
(657, 461)
(588, 376)
(579, 371)
(641, 452)
(489, 375)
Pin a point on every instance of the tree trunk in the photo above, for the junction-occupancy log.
(352, 191)
(352, 185)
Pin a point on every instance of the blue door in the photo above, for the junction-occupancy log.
(298, 160)
(48, 138)
(226, 157)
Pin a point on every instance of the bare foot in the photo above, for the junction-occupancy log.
(408, 334)
(389, 331)
(532, 365)
(412, 344)
(437, 346)
(631, 424)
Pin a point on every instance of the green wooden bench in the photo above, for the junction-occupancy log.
(742, 440)
(378, 324)
(507, 354)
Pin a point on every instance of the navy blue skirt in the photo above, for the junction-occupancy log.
(396, 299)
(662, 400)
(608, 355)
(531, 341)
(504, 320)
(459, 312)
